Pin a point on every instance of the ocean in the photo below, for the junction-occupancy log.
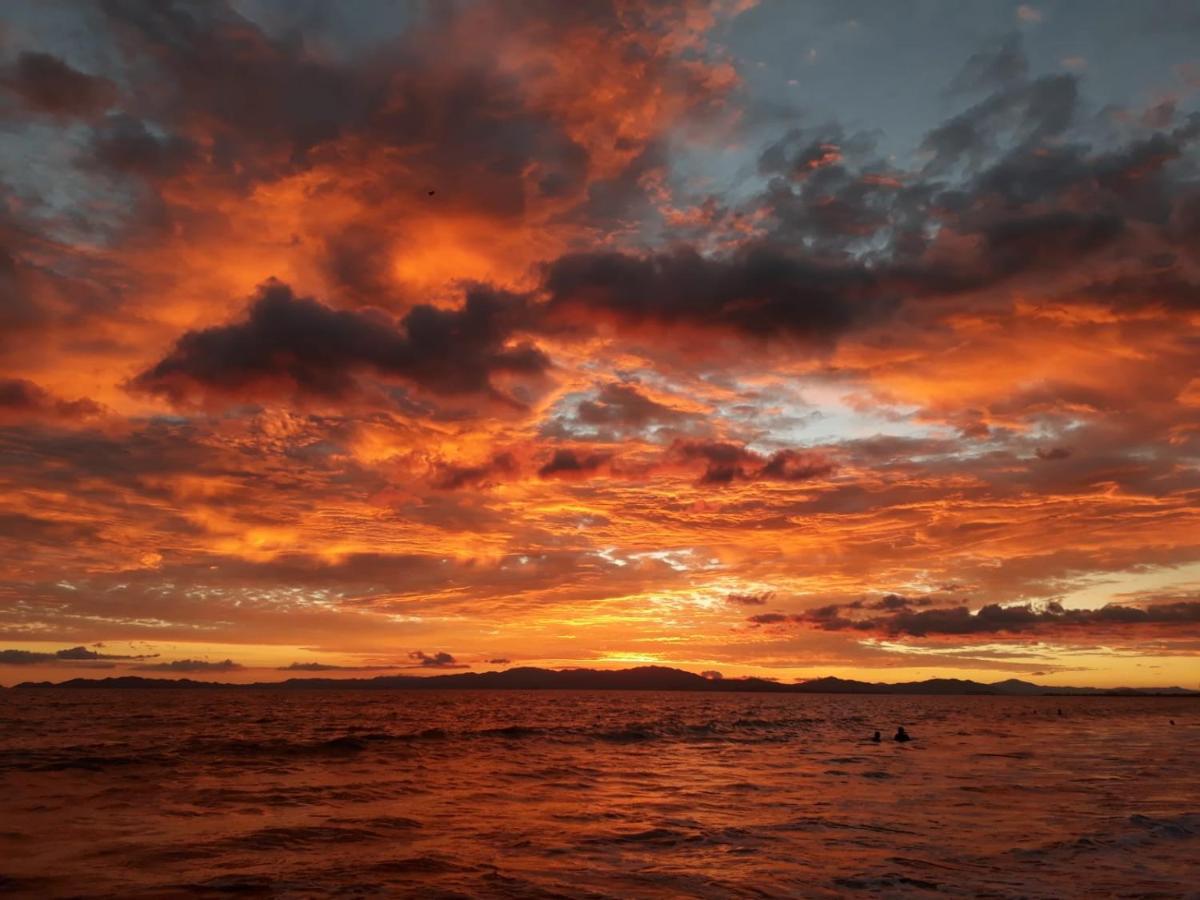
(111, 793)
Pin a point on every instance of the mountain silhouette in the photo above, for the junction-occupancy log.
(641, 678)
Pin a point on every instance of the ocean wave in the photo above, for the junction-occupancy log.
(351, 743)
(668, 836)
(89, 759)
(816, 823)
(1174, 828)
(888, 882)
(1135, 832)
(244, 885)
(419, 865)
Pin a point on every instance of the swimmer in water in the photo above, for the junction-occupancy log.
(875, 738)
(901, 735)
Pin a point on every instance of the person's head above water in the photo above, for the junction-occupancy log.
(901, 734)
(876, 737)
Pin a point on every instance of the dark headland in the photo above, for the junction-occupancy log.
(642, 678)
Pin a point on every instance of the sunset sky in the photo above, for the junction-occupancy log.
(777, 338)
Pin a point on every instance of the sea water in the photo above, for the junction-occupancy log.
(129, 793)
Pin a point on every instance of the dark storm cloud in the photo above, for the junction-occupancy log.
(830, 191)
(567, 463)
(439, 660)
(123, 143)
(792, 465)
(195, 665)
(22, 399)
(1128, 177)
(312, 667)
(1001, 64)
(758, 599)
(850, 243)
(1031, 199)
(1167, 289)
(1020, 243)
(897, 601)
(45, 84)
(835, 191)
(450, 477)
(758, 291)
(624, 405)
(296, 344)
(24, 657)
(326, 667)
(769, 618)
(258, 94)
(902, 620)
(726, 462)
(72, 654)
(618, 411)
(1025, 111)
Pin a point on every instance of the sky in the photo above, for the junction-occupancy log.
(780, 339)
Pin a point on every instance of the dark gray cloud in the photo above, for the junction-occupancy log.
(439, 660)
(759, 291)
(46, 84)
(623, 405)
(267, 101)
(296, 345)
(327, 667)
(617, 411)
(794, 465)
(195, 665)
(71, 654)
(756, 599)
(998, 65)
(726, 462)
(22, 399)
(450, 477)
(1027, 112)
(852, 247)
(1015, 183)
(568, 463)
(123, 143)
(901, 619)
(769, 618)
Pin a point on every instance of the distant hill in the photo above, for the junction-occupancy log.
(642, 678)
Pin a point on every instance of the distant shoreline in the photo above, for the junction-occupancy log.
(643, 678)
